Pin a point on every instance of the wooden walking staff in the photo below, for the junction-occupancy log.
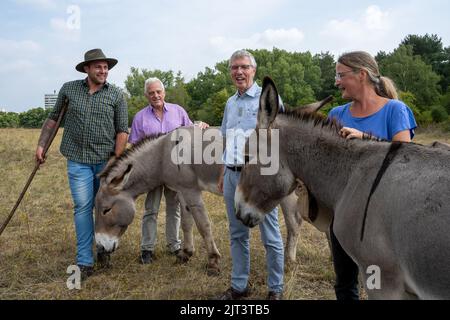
(38, 164)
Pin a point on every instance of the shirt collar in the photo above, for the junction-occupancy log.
(164, 108)
(252, 91)
(86, 84)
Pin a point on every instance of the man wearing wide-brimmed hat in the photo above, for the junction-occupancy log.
(96, 124)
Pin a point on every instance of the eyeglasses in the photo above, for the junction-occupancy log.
(339, 75)
(244, 67)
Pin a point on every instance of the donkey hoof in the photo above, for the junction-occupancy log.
(103, 260)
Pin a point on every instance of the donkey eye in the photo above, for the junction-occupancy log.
(106, 211)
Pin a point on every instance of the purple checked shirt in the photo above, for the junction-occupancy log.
(146, 122)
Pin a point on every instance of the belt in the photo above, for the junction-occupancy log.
(238, 169)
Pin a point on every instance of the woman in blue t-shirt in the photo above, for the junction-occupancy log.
(373, 110)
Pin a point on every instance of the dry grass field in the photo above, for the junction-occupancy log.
(39, 243)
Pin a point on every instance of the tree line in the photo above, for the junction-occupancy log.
(420, 67)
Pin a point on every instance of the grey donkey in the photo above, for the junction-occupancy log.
(390, 201)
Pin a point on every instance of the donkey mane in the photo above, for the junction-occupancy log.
(317, 119)
(128, 153)
(320, 120)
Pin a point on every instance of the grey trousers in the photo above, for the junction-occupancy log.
(149, 220)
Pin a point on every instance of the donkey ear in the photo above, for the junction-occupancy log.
(314, 107)
(118, 182)
(268, 104)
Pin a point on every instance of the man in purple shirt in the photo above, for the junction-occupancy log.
(159, 117)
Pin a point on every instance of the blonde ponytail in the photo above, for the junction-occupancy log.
(386, 88)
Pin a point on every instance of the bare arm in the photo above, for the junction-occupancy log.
(351, 133)
(121, 143)
(46, 132)
(404, 136)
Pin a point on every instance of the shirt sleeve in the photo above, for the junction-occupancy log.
(185, 121)
(121, 114)
(54, 114)
(333, 114)
(223, 126)
(135, 132)
(402, 119)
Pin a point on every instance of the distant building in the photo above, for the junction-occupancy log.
(3, 110)
(50, 100)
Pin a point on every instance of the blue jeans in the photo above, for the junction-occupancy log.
(84, 185)
(240, 238)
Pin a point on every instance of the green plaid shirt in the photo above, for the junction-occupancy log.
(91, 122)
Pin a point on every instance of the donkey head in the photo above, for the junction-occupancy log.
(114, 207)
(259, 191)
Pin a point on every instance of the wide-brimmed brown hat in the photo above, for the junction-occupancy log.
(95, 55)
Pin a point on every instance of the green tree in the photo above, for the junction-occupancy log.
(327, 66)
(445, 101)
(432, 51)
(135, 81)
(297, 75)
(410, 100)
(439, 114)
(381, 55)
(428, 47)
(33, 118)
(206, 84)
(410, 73)
(135, 104)
(445, 71)
(9, 120)
(212, 110)
(178, 93)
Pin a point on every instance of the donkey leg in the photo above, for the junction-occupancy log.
(293, 221)
(195, 205)
(187, 223)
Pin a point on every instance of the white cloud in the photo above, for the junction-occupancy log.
(375, 19)
(288, 39)
(365, 32)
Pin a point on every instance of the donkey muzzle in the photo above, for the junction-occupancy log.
(250, 219)
(106, 243)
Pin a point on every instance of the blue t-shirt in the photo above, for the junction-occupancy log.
(394, 117)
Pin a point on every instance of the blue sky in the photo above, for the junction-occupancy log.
(41, 41)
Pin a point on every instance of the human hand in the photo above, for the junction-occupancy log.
(350, 133)
(40, 155)
(201, 124)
